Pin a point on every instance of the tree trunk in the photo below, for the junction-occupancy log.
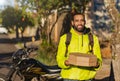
(17, 33)
(89, 14)
(115, 39)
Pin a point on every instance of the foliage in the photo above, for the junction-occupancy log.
(79, 5)
(14, 17)
(46, 54)
(44, 8)
(0, 18)
(9, 17)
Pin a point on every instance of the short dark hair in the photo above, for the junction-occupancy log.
(72, 16)
(75, 12)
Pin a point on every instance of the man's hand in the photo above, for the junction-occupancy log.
(67, 63)
(97, 65)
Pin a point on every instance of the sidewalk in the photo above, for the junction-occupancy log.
(104, 73)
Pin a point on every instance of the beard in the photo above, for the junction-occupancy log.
(79, 29)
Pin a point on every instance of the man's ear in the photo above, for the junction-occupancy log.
(85, 21)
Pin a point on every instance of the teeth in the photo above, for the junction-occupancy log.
(79, 26)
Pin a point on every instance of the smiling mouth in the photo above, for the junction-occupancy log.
(79, 26)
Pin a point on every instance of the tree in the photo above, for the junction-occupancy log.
(0, 18)
(13, 17)
(115, 39)
(8, 17)
(44, 8)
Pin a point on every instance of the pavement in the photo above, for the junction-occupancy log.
(104, 73)
(6, 50)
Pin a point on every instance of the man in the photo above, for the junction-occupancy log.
(79, 43)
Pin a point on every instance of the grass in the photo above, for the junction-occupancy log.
(0, 20)
(47, 54)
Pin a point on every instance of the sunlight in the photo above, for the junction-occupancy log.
(2, 1)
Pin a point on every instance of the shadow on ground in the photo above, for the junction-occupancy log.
(4, 55)
(16, 40)
(5, 59)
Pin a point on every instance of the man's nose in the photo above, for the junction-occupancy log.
(79, 22)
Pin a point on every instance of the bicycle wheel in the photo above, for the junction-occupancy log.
(2, 77)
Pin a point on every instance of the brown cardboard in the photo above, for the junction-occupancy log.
(80, 59)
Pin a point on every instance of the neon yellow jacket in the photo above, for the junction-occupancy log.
(78, 43)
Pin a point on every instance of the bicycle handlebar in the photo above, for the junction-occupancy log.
(29, 50)
(23, 52)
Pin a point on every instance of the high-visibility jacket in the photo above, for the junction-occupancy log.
(78, 43)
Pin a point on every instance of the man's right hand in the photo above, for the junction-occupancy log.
(67, 63)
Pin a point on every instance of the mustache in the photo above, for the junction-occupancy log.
(80, 25)
(79, 30)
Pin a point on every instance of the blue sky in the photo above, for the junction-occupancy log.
(5, 2)
(2, 2)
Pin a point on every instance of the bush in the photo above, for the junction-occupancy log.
(47, 54)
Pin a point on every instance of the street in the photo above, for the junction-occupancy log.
(6, 50)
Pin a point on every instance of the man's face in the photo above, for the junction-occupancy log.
(78, 22)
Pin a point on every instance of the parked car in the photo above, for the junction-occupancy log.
(3, 30)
